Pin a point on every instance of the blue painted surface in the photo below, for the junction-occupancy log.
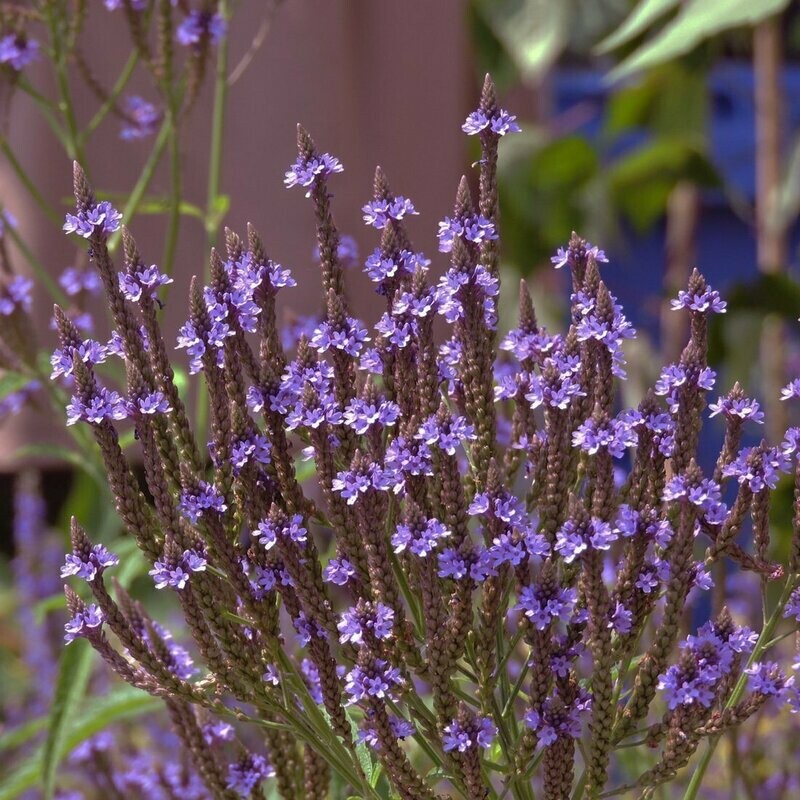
(726, 250)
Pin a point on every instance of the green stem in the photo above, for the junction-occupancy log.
(47, 110)
(213, 217)
(212, 220)
(761, 645)
(140, 188)
(65, 104)
(52, 287)
(33, 190)
(116, 91)
(171, 244)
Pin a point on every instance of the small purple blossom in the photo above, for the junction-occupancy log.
(205, 497)
(379, 679)
(338, 571)
(102, 218)
(141, 118)
(707, 301)
(377, 213)
(500, 123)
(473, 228)
(84, 623)
(247, 774)
(462, 736)
(17, 51)
(198, 25)
(419, 538)
(176, 575)
(89, 565)
(375, 620)
(304, 172)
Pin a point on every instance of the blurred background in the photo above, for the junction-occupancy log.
(665, 131)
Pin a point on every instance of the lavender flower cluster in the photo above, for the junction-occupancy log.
(490, 581)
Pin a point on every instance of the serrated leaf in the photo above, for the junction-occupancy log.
(74, 669)
(697, 21)
(644, 14)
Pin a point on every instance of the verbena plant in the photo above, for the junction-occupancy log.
(506, 595)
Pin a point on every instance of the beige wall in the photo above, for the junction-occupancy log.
(374, 81)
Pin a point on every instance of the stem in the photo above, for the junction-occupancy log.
(140, 188)
(212, 219)
(52, 287)
(46, 108)
(24, 178)
(762, 644)
(116, 91)
(175, 198)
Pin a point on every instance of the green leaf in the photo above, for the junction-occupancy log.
(62, 453)
(638, 21)
(11, 382)
(121, 704)
(73, 675)
(17, 736)
(788, 199)
(533, 32)
(697, 21)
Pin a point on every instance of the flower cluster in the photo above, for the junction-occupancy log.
(488, 562)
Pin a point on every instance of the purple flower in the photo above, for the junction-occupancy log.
(419, 538)
(153, 403)
(621, 620)
(792, 607)
(74, 281)
(145, 280)
(759, 468)
(575, 538)
(463, 736)
(472, 228)
(102, 218)
(105, 405)
(767, 678)
(141, 118)
(88, 565)
(308, 629)
(739, 408)
(338, 571)
(378, 212)
(543, 605)
(304, 172)
(176, 575)
(197, 25)
(791, 390)
(500, 123)
(247, 774)
(377, 619)
(83, 624)
(569, 256)
(615, 436)
(218, 732)
(252, 448)
(446, 434)
(269, 530)
(16, 294)
(708, 300)
(361, 415)
(555, 719)
(349, 339)
(17, 51)
(205, 497)
(379, 679)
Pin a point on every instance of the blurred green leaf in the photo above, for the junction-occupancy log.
(697, 21)
(769, 294)
(788, 200)
(123, 703)
(533, 31)
(74, 669)
(644, 14)
(20, 734)
(11, 382)
(61, 453)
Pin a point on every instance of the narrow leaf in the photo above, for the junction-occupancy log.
(73, 674)
(644, 14)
